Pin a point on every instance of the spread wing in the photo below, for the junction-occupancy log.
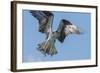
(65, 28)
(45, 19)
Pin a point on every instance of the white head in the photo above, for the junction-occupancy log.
(71, 29)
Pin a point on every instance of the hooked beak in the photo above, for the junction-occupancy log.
(77, 31)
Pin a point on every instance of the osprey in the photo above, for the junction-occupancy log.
(45, 20)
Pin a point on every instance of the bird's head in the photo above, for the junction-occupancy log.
(70, 28)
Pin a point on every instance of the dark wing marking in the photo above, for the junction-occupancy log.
(61, 30)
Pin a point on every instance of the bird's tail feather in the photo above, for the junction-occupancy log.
(47, 48)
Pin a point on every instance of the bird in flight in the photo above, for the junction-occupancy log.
(45, 22)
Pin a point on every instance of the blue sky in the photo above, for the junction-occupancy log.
(75, 47)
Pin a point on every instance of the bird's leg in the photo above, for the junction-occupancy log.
(53, 50)
(48, 47)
